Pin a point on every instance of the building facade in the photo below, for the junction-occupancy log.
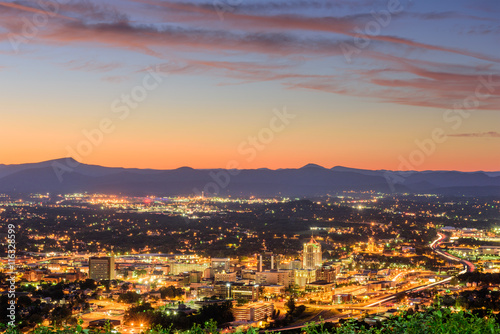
(312, 256)
(219, 265)
(275, 277)
(253, 312)
(102, 268)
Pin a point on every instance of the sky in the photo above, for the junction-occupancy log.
(394, 84)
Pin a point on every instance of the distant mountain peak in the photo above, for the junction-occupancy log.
(185, 168)
(66, 160)
(311, 165)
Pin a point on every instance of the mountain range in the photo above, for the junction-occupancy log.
(67, 175)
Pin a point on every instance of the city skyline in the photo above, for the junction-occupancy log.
(163, 84)
(270, 263)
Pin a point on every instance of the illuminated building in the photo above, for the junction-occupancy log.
(275, 277)
(304, 276)
(312, 257)
(253, 312)
(102, 268)
(243, 291)
(219, 265)
(177, 268)
(327, 273)
(225, 277)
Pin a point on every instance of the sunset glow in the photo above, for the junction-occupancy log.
(365, 84)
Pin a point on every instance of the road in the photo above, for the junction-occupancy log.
(469, 267)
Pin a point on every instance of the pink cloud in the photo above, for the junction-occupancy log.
(196, 30)
(339, 25)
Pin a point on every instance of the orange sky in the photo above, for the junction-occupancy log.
(195, 91)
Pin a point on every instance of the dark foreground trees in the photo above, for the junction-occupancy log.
(175, 319)
(430, 321)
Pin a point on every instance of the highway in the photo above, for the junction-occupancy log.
(374, 304)
(469, 267)
(418, 288)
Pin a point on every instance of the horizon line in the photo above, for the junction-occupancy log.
(312, 165)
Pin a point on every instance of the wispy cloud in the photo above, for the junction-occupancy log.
(280, 40)
(490, 134)
(24, 8)
(345, 25)
(91, 65)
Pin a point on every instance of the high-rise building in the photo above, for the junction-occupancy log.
(312, 257)
(102, 268)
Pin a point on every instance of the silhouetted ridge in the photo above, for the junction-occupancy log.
(68, 175)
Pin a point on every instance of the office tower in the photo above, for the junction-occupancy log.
(102, 268)
(312, 257)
